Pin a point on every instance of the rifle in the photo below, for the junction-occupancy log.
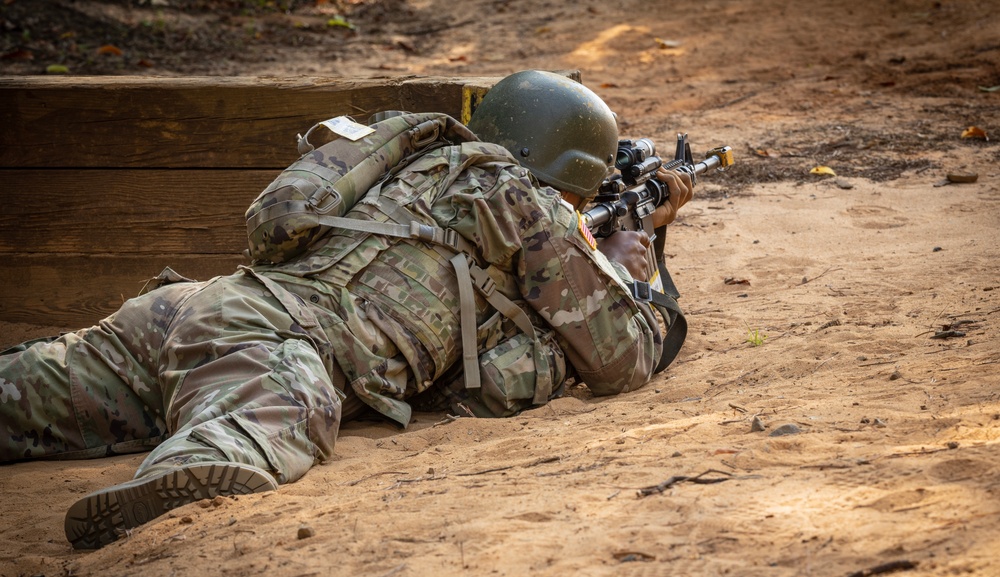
(627, 199)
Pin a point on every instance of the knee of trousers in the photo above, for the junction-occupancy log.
(284, 420)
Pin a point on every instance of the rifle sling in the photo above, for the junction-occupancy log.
(672, 315)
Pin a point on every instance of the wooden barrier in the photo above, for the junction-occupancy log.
(104, 181)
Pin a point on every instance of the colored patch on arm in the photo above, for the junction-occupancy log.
(585, 232)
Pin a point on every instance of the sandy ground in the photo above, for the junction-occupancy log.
(880, 448)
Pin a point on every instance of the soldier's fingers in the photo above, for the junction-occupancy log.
(666, 176)
(686, 179)
(679, 183)
(663, 215)
(685, 189)
(688, 195)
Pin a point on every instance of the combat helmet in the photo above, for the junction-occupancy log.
(555, 127)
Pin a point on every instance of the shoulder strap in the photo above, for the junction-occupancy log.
(285, 219)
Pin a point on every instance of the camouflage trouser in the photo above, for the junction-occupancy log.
(213, 371)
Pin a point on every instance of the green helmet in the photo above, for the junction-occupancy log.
(556, 127)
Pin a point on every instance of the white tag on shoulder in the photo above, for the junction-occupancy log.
(347, 128)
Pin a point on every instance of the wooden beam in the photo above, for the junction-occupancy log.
(79, 290)
(205, 122)
(136, 212)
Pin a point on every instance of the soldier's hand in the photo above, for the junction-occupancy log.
(681, 190)
(628, 248)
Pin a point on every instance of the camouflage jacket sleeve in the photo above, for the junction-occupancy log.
(530, 231)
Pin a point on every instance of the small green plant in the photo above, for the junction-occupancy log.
(755, 337)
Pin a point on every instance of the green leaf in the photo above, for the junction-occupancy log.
(339, 21)
(56, 69)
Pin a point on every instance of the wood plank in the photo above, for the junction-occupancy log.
(215, 122)
(167, 122)
(79, 291)
(132, 212)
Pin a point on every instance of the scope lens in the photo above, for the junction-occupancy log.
(623, 159)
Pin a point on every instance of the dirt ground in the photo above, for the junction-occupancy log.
(873, 294)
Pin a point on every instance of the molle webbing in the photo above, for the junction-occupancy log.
(468, 273)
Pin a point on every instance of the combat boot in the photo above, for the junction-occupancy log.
(103, 516)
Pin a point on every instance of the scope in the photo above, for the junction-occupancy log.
(633, 152)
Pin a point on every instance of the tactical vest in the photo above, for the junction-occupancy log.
(330, 215)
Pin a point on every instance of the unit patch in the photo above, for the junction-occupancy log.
(585, 232)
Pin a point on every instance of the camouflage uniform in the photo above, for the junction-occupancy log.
(213, 371)
(246, 368)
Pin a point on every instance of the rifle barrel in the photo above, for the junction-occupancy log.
(721, 158)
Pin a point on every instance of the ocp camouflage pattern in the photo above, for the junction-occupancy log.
(211, 371)
(390, 306)
(229, 369)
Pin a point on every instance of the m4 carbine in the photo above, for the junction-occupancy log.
(627, 200)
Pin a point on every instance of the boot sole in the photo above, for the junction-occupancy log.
(104, 516)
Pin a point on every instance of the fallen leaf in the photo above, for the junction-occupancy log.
(338, 21)
(667, 43)
(56, 69)
(990, 88)
(110, 49)
(67, 35)
(966, 177)
(18, 54)
(731, 280)
(542, 30)
(608, 85)
(823, 170)
(145, 63)
(462, 58)
(629, 556)
(974, 132)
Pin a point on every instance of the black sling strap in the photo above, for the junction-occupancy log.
(672, 315)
